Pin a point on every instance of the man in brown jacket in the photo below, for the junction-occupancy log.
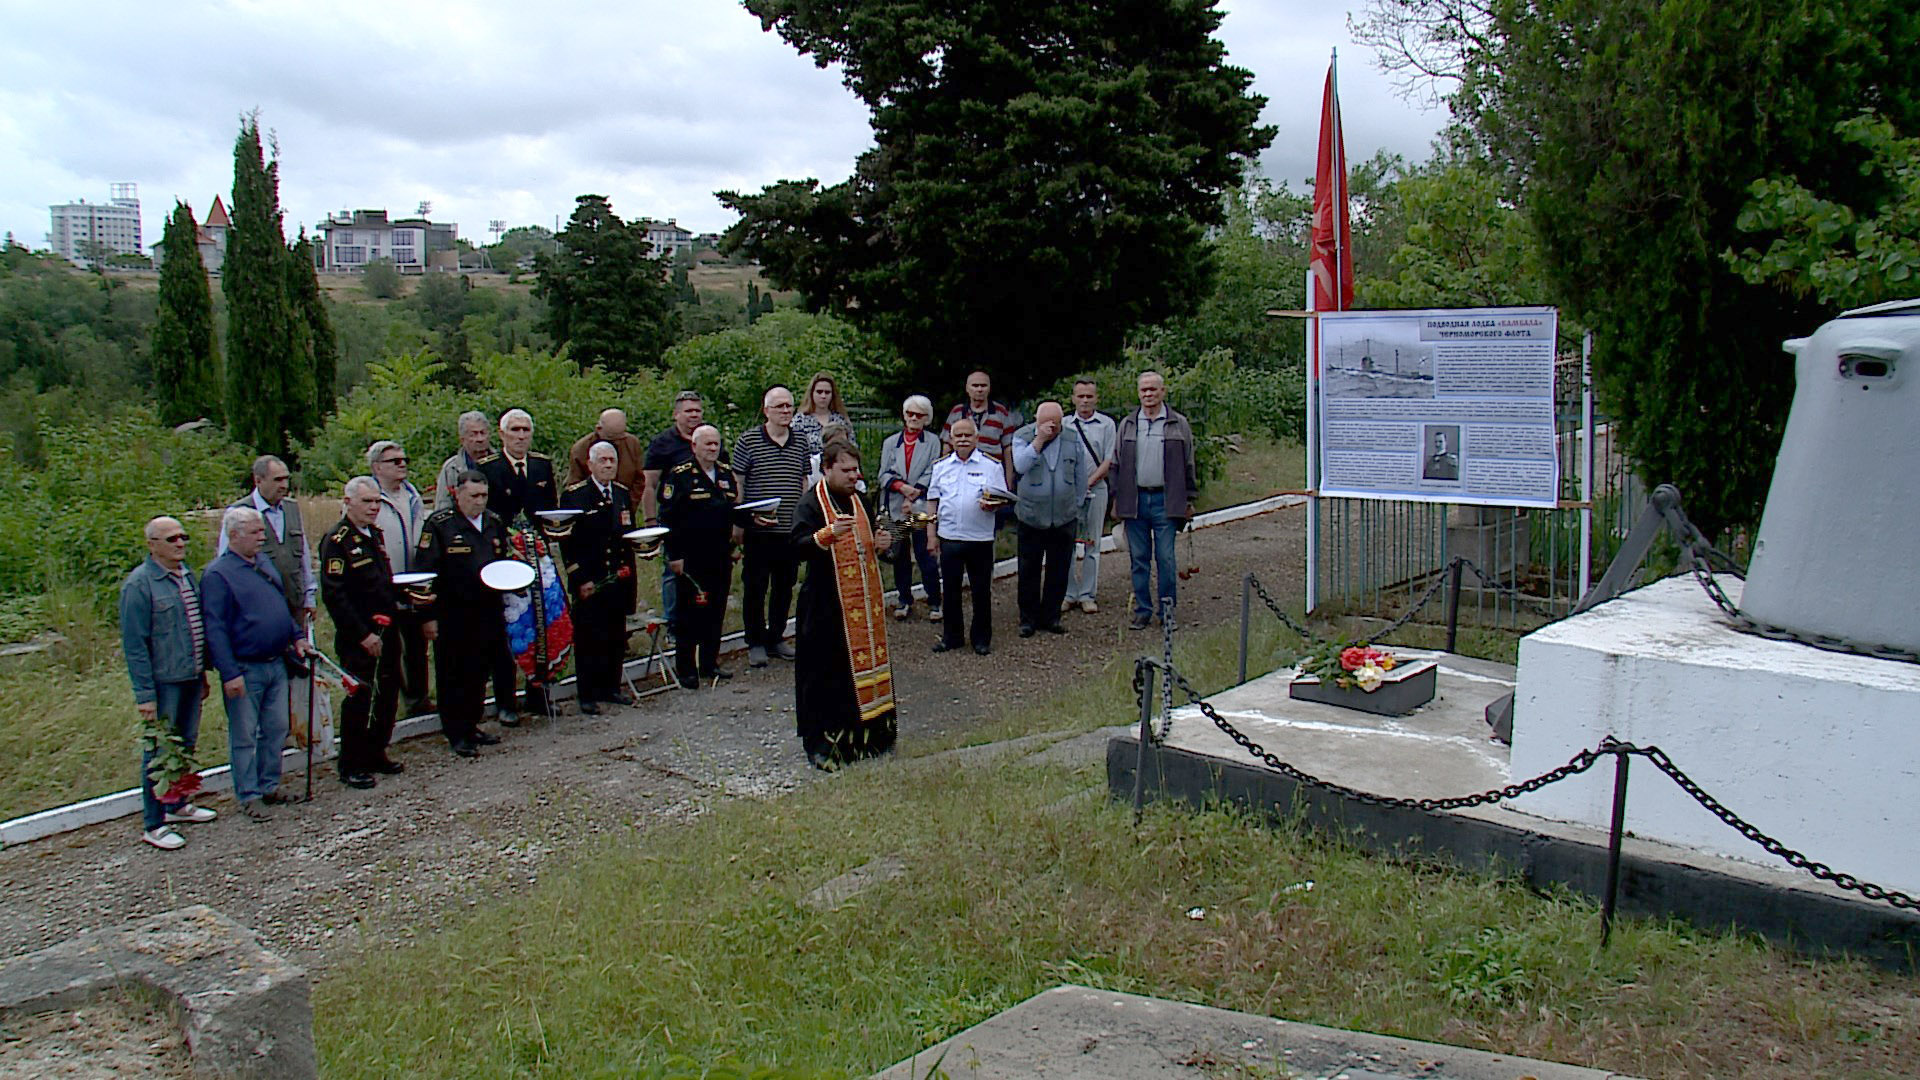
(612, 428)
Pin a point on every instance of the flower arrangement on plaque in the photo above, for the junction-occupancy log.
(1360, 675)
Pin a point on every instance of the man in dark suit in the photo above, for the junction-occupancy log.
(520, 480)
(600, 576)
(455, 544)
(520, 484)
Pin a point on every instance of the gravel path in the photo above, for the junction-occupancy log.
(355, 868)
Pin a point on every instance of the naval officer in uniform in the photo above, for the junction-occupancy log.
(455, 544)
(696, 502)
(600, 576)
(356, 585)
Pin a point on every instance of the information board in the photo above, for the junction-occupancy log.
(1438, 406)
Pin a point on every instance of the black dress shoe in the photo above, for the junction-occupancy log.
(983, 650)
(944, 646)
(621, 697)
(484, 739)
(508, 718)
(466, 749)
(388, 767)
(717, 673)
(1026, 630)
(1054, 628)
(589, 708)
(357, 780)
(688, 682)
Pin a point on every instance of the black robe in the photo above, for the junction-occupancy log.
(826, 711)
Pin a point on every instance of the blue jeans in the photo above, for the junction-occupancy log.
(1150, 536)
(904, 555)
(178, 706)
(257, 728)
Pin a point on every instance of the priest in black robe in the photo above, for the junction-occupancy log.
(842, 673)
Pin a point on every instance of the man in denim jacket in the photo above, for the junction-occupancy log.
(163, 637)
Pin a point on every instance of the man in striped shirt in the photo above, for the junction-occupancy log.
(163, 638)
(770, 460)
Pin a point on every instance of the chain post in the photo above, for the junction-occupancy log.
(1143, 674)
(1246, 614)
(1453, 603)
(1616, 831)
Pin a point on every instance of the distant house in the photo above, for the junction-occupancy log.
(349, 240)
(668, 238)
(210, 236)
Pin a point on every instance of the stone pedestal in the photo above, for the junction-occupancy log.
(245, 1010)
(1819, 750)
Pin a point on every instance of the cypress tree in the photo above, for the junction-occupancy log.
(270, 394)
(186, 356)
(310, 309)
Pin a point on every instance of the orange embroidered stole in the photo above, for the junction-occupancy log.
(863, 607)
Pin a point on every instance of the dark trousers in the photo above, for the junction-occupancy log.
(904, 556)
(1043, 591)
(974, 559)
(506, 678)
(696, 644)
(411, 644)
(461, 656)
(366, 719)
(769, 567)
(599, 643)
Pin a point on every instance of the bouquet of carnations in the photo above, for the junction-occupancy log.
(1347, 664)
(175, 777)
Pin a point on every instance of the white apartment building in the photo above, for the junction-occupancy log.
(80, 228)
(349, 240)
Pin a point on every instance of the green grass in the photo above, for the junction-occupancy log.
(690, 941)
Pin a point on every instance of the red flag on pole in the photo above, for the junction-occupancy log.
(1331, 267)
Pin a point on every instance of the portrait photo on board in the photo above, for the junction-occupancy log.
(1440, 452)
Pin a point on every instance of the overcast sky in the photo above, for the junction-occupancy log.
(502, 109)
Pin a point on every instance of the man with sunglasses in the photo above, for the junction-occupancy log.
(163, 638)
(401, 517)
(770, 460)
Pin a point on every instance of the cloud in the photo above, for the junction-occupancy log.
(498, 109)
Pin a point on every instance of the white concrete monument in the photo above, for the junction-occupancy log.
(1819, 749)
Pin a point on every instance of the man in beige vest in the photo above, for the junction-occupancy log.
(287, 547)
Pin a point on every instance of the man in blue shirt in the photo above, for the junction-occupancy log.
(250, 634)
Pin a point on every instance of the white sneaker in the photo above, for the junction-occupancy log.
(191, 815)
(164, 838)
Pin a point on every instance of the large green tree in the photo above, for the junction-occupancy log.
(1631, 131)
(314, 323)
(270, 393)
(608, 299)
(185, 356)
(1041, 183)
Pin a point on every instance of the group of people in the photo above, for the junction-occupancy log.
(788, 496)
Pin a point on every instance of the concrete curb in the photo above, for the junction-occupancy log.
(216, 779)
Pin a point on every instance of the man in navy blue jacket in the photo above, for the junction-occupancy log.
(250, 635)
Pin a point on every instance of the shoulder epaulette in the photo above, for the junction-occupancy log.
(685, 466)
(535, 455)
(489, 459)
(443, 513)
(340, 529)
(578, 484)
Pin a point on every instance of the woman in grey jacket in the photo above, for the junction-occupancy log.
(906, 463)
